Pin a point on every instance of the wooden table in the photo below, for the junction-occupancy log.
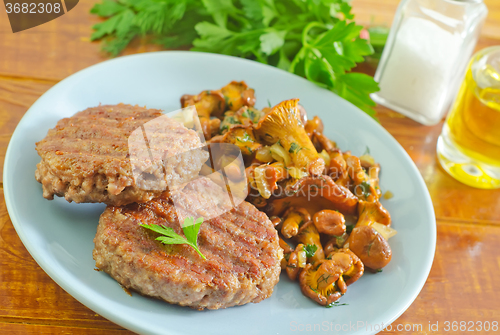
(464, 281)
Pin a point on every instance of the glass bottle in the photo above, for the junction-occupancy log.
(426, 54)
(469, 146)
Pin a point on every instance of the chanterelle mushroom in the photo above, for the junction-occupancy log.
(293, 219)
(241, 136)
(296, 261)
(207, 103)
(330, 222)
(370, 246)
(370, 212)
(238, 94)
(283, 123)
(323, 186)
(309, 235)
(326, 280)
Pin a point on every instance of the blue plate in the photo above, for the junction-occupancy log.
(59, 235)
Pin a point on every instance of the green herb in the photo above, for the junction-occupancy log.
(336, 304)
(378, 270)
(340, 240)
(227, 122)
(245, 138)
(251, 114)
(365, 186)
(269, 103)
(378, 39)
(310, 249)
(190, 229)
(315, 39)
(367, 151)
(368, 248)
(349, 228)
(294, 148)
(323, 278)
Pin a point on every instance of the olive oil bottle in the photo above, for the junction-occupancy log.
(469, 147)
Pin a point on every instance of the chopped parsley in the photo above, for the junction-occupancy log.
(310, 249)
(294, 148)
(365, 186)
(245, 138)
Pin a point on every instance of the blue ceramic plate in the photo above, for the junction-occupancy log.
(59, 235)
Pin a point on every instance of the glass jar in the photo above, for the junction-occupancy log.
(469, 146)
(426, 54)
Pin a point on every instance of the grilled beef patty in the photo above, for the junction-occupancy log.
(86, 158)
(241, 247)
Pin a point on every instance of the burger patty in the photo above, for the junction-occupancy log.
(241, 247)
(87, 157)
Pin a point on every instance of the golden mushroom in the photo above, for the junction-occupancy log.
(370, 246)
(283, 124)
(292, 220)
(309, 236)
(329, 222)
(326, 280)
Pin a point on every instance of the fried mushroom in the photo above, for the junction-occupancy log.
(238, 94)
(297, 260)
(370, 212)
(283, 124)
(329, 222)
(309, 235)
(293, 219)
(370, 246)
(326, 280)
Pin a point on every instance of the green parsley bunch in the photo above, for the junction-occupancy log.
(316, 39)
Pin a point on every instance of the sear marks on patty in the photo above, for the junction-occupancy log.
(241, 247)
(86, 157)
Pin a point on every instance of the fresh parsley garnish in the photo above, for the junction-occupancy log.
(169, 236)
(294, 148)
(250, 114)
(365, 186)
(310, 249)
(245, 138)
(314, 39)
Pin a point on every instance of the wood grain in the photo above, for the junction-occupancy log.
(462, 285)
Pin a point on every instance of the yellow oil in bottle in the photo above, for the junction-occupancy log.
(469, 148)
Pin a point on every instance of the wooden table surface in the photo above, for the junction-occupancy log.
(463, 284)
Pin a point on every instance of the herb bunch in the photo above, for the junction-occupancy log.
(315, 39)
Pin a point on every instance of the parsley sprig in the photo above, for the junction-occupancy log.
(316, 39)
(169, 236)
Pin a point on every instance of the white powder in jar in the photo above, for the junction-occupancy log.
(419, 68)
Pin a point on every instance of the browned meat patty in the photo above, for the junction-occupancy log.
(241, 247)
(87, 158)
